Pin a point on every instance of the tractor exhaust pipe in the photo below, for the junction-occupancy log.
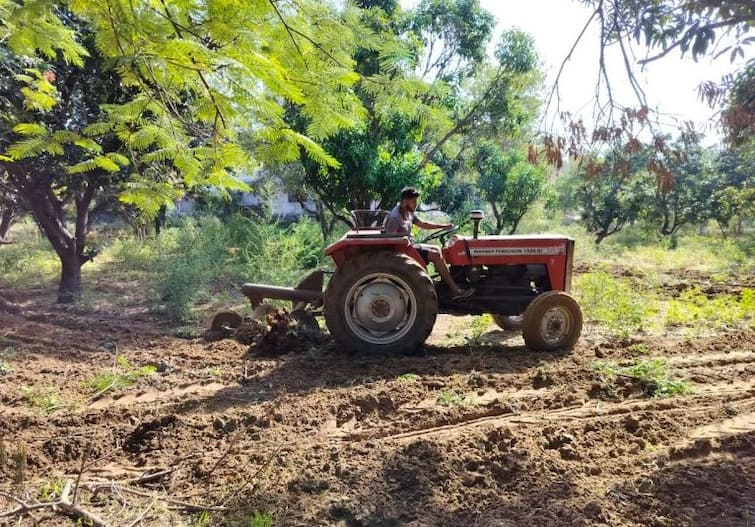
(476, 216)
(308, 290)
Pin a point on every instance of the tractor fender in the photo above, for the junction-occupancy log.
(354, 244)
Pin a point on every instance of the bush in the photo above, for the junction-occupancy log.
(196, 259)
(31, 259)
(652, 374)
(613, 303)
(695, 309)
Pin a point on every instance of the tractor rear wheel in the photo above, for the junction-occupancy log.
(552, 321)
(381, 301)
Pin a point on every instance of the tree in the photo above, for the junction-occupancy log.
(734, 196)
(687, 200)
(426, 103)
(614, 193)
(694, 27)
(45, 114)
(508, 183)
(192, 75)
(689, 27)
(9, 212)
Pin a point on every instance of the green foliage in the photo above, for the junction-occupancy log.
(408, 377)
(690, 26)
(123, 375)
(613, 303)
(5, 368)
(47, 399)
(653, 374)
(638, 348)
(694, 309)
(51, 490)
(688, 199)
(30, 259)
(478, 327)
(614, 193)
(261, 519)
(34, 27)
(450, 398)
(187, 81)
(198, 258)
(508, 183)
(202, 519)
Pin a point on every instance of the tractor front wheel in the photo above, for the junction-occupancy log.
(381, 301)
(552, 321)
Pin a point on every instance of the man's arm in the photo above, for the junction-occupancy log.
(430, 226)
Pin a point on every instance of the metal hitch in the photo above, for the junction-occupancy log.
(308, 291)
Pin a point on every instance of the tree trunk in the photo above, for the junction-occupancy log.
(322, 220)
(5, 222)
(160, 220)
(70, 279)
(49, 213)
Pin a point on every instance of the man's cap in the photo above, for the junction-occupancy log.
(409, 193)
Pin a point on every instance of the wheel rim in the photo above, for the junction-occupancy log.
(380, 308)
(555, 325)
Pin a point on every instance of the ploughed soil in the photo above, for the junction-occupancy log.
(480, 432)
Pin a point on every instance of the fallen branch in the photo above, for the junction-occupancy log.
(63, 505)
(138, 520)
(173, 504)
(74, 511)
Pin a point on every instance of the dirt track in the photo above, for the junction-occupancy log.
(491, 435)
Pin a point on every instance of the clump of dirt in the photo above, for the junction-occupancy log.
(279, 333)
(10, 307)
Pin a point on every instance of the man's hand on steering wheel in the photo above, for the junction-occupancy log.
(441, 233)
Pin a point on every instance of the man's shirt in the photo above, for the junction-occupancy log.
(396, 221)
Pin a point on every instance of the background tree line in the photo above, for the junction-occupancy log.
(128, 106)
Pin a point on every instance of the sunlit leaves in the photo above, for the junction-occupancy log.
(31, 27)
(199, 73)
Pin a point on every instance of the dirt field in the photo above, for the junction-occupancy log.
(458, 435)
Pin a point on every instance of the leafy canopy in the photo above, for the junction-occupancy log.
(198, 72)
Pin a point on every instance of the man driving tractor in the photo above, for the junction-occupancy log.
(401, 219)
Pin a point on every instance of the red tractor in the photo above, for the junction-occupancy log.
(382, 297)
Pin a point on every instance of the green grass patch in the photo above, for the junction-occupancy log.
(261, 519)
(450, 398)
(652, 374)
(640, 349)
(48, 400)
(477, 328)
(123, 375)
(30, 259)
(694, 309)
(408, 377)
(613, 303)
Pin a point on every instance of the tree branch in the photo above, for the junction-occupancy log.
(554, 89)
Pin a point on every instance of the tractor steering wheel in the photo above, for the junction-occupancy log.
(440, 234)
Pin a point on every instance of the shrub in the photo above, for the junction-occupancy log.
(450, 398)
(123, 375)
(196, 260)
(694, 309)
(653, 374)
(613, 303)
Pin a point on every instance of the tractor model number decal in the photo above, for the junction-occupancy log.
(516, 251)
